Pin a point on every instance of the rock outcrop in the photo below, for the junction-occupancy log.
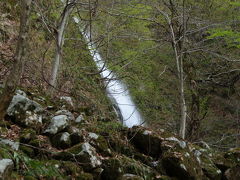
(65, 148)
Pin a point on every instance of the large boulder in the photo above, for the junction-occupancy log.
(76, 135)
(61, 140)
(146, 141)
(178, 161)
(172, 155)
(118, 167)
(58, 123)
(24, 111)
(83, 153)
(206, 160)
(6, 167)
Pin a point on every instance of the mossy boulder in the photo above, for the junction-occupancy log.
(85, 176)
(206, 160)
(100, 144)
(146, 141)
(116, 167)
(178, 161)
(70, 168)
(25, 112)
(76, 137)
(61, 140)
(83, 153)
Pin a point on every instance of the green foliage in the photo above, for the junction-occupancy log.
(232, 38)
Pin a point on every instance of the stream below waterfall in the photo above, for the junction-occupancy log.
(116, 90)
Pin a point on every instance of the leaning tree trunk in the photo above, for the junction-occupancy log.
(19, 57)
(59, 43)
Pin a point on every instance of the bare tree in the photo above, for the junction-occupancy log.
(177, 40)
(13, 79)
(60, 42)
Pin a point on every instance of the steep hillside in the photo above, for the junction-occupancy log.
(46, 139)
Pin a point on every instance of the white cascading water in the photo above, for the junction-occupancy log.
(117, 90)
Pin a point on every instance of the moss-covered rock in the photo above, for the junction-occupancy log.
(84, 176)
(101, 145)
(206, 160)
(179, 161)
(27, 135)
(83, 153)
(61, 140)
(146, 141)
(25, 112)
(116, 167)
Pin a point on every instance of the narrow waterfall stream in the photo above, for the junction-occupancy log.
(117, 91)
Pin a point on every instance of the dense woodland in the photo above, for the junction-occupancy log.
(180, 60)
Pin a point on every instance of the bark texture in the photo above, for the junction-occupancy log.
(59, 43)
(14, 77)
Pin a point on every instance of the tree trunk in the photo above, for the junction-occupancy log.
(182, 132)
(17, 69)
(181, 78)
(59, 43)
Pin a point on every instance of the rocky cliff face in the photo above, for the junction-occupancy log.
(42, 139)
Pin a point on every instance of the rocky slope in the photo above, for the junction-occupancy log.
(56, 139)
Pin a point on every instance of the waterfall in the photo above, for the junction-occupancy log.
(117, 91)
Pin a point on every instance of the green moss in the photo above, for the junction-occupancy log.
(70, 168)
(110, 127)
(84, 176)
(75, 149)
(27, 135)
(29, 178)
(181, 163)
(115, 167)
(101, 145)
(209, 168)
